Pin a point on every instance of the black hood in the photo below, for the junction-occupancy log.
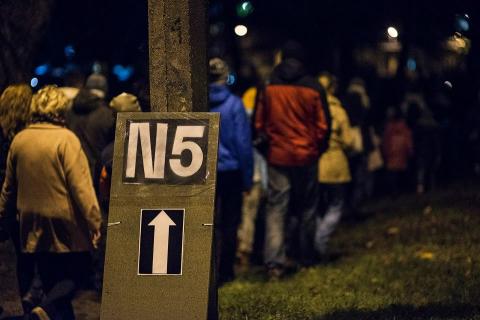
(289, 71)
(86, 102)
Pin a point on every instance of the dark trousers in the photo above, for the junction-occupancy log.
(290, 215)
(61, 274)
(227, 220)
(396, 182)
(25, 263)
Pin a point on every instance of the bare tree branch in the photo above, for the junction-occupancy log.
(22, 26)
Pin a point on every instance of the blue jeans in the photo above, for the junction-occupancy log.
(292, 193)
(332, 208)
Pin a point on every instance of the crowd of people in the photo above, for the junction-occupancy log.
(294, 159)
(56, 160)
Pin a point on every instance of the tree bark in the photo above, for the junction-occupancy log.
(22, 26)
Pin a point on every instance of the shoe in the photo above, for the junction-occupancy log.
(275, 273)
(329, 257)
(31, 299)
(243, 262)
(291, 266)
(39, 314)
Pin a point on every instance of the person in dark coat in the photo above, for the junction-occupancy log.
(235, 166)
(124, 102)
(357, 105)
(93, 123)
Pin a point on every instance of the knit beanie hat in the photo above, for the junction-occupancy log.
(97, 83)
(125, 102)
(217, 70)
(293, 50)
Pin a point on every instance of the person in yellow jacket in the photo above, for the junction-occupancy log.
(334, 172)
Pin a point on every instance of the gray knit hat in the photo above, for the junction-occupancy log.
(97, 82)
(125, 102)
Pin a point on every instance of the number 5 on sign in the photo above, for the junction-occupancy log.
(177, 156)
(179, 145)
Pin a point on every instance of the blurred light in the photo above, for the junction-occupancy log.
(71, 67)
(461, 43)
(458, 43)
(215, 9)
(58, 72)
(461, 23)
(216, 28)
(41, 70)
(241, 30)
(231, 79)
(69, 51)
(34, 82)
(122, 73)
(411, 64)
(448, 84)
(392, 32)
(244, 9)
(96, 67)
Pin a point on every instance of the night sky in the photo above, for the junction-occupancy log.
(115, 31)
(101, 29)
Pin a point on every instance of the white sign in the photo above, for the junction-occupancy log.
(178, 155)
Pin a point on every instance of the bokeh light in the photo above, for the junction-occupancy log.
(392, 32)
(241, 30)
(34, 82)
(244, 9)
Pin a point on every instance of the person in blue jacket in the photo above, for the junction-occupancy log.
(235, 166)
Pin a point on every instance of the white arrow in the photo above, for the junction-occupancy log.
(162, 224)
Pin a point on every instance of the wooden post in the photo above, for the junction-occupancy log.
(178, 60)
(159, 252)
(178, 68)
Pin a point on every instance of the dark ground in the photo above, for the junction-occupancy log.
(87, 305)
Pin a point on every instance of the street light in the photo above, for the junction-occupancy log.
(392, 32)
(241, 30)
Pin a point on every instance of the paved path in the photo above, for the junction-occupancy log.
(87, 304)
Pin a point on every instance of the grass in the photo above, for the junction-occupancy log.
(414, 258)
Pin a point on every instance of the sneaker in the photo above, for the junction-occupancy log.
(39, 314)
(31, 299)
(275, 273)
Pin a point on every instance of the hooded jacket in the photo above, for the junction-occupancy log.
(333, 164)
(93, 123)
(292, 112)
(235, 150)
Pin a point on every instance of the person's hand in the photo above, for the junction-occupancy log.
(96, 235)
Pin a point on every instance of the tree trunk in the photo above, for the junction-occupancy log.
(22, 26)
